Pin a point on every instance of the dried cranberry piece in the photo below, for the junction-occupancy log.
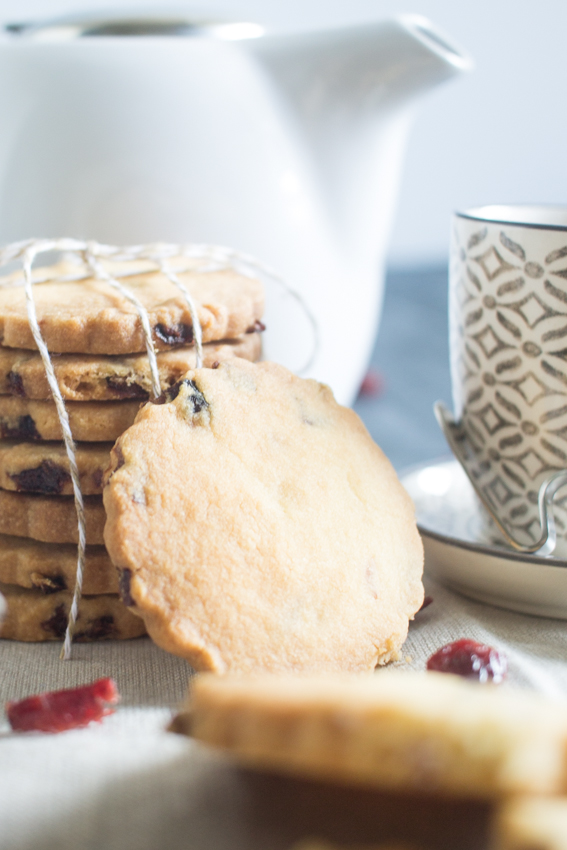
(16, 384)
(257, 327)
(60, 710)
(48, 478)
(124, 389)
(124, 580)
(23, 430)
(372, 385)
(470, 659)
(427, 600)
(174, 334)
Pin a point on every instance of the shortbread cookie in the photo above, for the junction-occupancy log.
(44, 467)
(49, 518)
(50, 567)
(93, 421)
(90, 317)
(33, 616)
(90, 377)
(256, 526)
(425, 732)
(531, 823)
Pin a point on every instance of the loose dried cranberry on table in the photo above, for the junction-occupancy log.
(372, 384)
(57, 711)
(470, 659)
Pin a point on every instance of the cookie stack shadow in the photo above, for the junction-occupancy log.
(38, 522)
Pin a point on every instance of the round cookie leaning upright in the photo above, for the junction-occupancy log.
(257, 526)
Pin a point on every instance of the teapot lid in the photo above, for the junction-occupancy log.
(123, 25)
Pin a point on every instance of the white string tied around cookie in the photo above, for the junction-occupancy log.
(100, 272)
(197, 331)
(27, 260)
(215, 258)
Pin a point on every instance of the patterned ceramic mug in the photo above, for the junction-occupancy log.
(508, 350)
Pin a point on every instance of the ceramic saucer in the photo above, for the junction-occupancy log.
(459, 552)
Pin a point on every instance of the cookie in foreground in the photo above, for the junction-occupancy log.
(257, 526)
(397, 730)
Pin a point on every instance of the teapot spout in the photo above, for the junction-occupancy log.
(351, 95)
(363, 65)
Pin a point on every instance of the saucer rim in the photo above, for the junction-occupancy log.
(484, 549)
(481, 548)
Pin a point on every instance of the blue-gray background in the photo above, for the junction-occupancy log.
(411, 356)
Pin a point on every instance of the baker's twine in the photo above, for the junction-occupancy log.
(215, 258)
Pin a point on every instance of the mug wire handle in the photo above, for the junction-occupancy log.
(548, 536)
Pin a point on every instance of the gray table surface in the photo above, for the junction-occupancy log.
(411, 354)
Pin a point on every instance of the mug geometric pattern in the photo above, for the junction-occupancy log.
(508, 348)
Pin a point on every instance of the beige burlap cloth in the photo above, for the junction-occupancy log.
(127, 783)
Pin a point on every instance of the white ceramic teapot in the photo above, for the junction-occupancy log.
(288, 147)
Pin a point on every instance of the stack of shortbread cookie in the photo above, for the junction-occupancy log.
(100, 362)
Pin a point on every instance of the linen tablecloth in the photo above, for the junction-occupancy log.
(127, 784)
